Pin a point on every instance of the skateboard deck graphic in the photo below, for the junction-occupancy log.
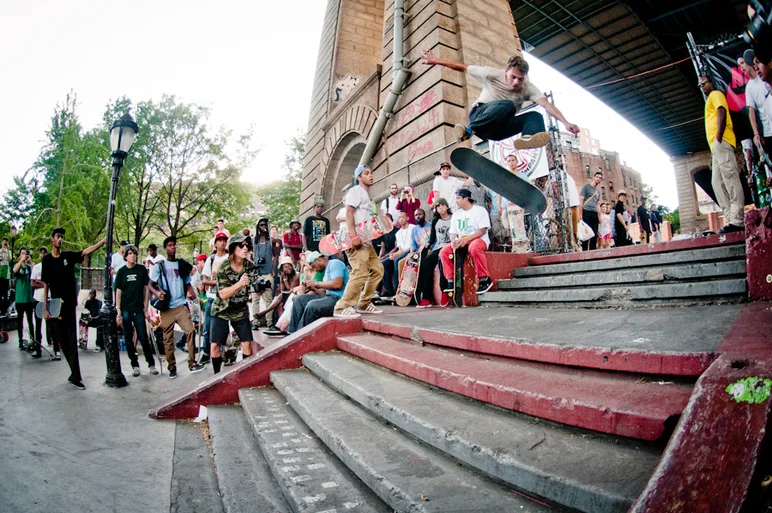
(457, 294)
(54, 308)
(368, 230)
(517, 190)
(409, 280)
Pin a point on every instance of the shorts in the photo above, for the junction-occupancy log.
(605, 236)
(219, 330)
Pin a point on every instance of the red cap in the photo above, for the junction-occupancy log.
(221, 235)
(201, 257)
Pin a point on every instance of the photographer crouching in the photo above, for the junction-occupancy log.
(231, 300)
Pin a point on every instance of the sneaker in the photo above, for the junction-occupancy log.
(56, 357)
(462, 132)
(370, 310)
(153, 370)
(444, 301)
(485, 285)
(255, 327)
(135, 371)
(173, 374)
(99, 349)
(183, 349)
(532, 141)
(196, 368)
(425, 303)
(274, 332)
(37, 356)
(78, 384)
(448, 287)
(731, 228)
(347, 313)
(205, 358)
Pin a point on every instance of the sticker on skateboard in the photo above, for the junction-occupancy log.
(54, 308)
(409, 280)
(457, 294)
(367, 230)
(516, 189)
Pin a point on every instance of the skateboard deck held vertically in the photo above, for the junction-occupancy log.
(516, 189)
(408, 282)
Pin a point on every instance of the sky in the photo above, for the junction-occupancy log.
(251, 63)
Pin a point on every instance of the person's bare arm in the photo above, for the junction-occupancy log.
(721, 111)
(476, 235)
(320, 287)
(91, 249)
(118, 306)
(430, 59)
(351, 226)
(754, 126)
(555, 112)
(46, 315)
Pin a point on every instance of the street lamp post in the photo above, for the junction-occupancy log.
(122, 135)
(13, 232)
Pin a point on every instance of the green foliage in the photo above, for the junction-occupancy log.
(675, 221)
(648, 191)
(282, 198)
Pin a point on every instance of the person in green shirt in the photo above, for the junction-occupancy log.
(231, 300)
(5, 275)
(22, 271)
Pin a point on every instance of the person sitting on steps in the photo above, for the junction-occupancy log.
(493, 115)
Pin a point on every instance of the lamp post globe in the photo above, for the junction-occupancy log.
(122, 135)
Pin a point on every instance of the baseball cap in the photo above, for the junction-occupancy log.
(124, 243)
(465, 193)
(221, 235)
(131, 247)
(441, 201)
(201, 257)
(748, 56)
(311, 256)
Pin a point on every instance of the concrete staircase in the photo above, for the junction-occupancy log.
(702, 273)
(386, 423)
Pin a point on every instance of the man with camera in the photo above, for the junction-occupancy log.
(169, 283)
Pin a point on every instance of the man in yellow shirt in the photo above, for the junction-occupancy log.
(725, 177)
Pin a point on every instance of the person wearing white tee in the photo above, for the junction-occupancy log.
(469, 228)
(445, 186)
(389, 205)
(37, 295)
(756, 91)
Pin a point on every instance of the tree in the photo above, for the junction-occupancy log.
(675, 221)
(282, 198)
(648, 191)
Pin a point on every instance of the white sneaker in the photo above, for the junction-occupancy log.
(153, 370)
(135, 371)
(370, 310)
(347, 313)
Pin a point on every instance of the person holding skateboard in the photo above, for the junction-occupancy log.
(58, 277)
(366, 268)
(493, 115)
(468, 229)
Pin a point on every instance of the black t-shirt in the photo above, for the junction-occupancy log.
(132, 283)
(619, 228)
(643, 218)
(314, 229)
(93, 306)
(59, 274)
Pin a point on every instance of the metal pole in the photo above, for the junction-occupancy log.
(115, 377)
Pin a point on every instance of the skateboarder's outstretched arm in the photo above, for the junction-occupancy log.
(555, 112)
(429, 58)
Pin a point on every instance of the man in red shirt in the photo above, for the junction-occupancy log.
(293, 241)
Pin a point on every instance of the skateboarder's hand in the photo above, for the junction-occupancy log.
(46, 315)
(118, 319)
(572, 128)
(429, 58)
(455, 243)
(356, 242)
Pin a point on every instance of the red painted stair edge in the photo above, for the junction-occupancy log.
(596, 417)
(255, 371)
(623, 360)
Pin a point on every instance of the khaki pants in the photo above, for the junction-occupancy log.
(726, 184)
(366, 274)
(169, 318)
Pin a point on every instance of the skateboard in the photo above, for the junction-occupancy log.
(516, 189)
(4, 337)
(409, 280)
(368, 231)
(54, 308)
(154, 342)
(457, 294)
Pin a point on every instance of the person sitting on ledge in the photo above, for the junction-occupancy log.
(307, 308)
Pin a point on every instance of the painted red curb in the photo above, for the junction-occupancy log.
(224, 387)
(641, 249)
(709, 461)
(605, 402)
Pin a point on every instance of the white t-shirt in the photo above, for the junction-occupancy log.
(495, 87)
(391, 209)
(37, 269)
(404, 236)
(447, 188)
(466, 222)
(573, 193)
(210, 271)
(117, 261)
(358, 198)
(756, 93)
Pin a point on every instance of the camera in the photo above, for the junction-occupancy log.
(262, 284)
(259, 261)
(758, 31)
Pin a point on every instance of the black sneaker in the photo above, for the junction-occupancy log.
(731, 228)
(173, 374)
(274, 332)
(205, 358)
(78, 384)
(255, 327)
(448, 287)
(485, 285)
(37, 356)
(196, 368)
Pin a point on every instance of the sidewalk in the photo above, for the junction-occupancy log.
(66, 450)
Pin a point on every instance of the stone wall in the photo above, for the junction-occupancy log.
(688, 207)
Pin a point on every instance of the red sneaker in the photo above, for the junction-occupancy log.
(444, 301)
(425, 303)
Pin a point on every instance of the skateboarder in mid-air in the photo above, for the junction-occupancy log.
(493, 114)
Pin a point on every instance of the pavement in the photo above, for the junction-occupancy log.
(66, 450)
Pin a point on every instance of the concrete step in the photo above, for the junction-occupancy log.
(624, 295)
(245, 481)
(578, 469)
(735, 251)
(312, 479)
(624, 275)
(406, 474)
(609, 402)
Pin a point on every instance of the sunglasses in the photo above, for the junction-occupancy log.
(702, 83)
(245, 245)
